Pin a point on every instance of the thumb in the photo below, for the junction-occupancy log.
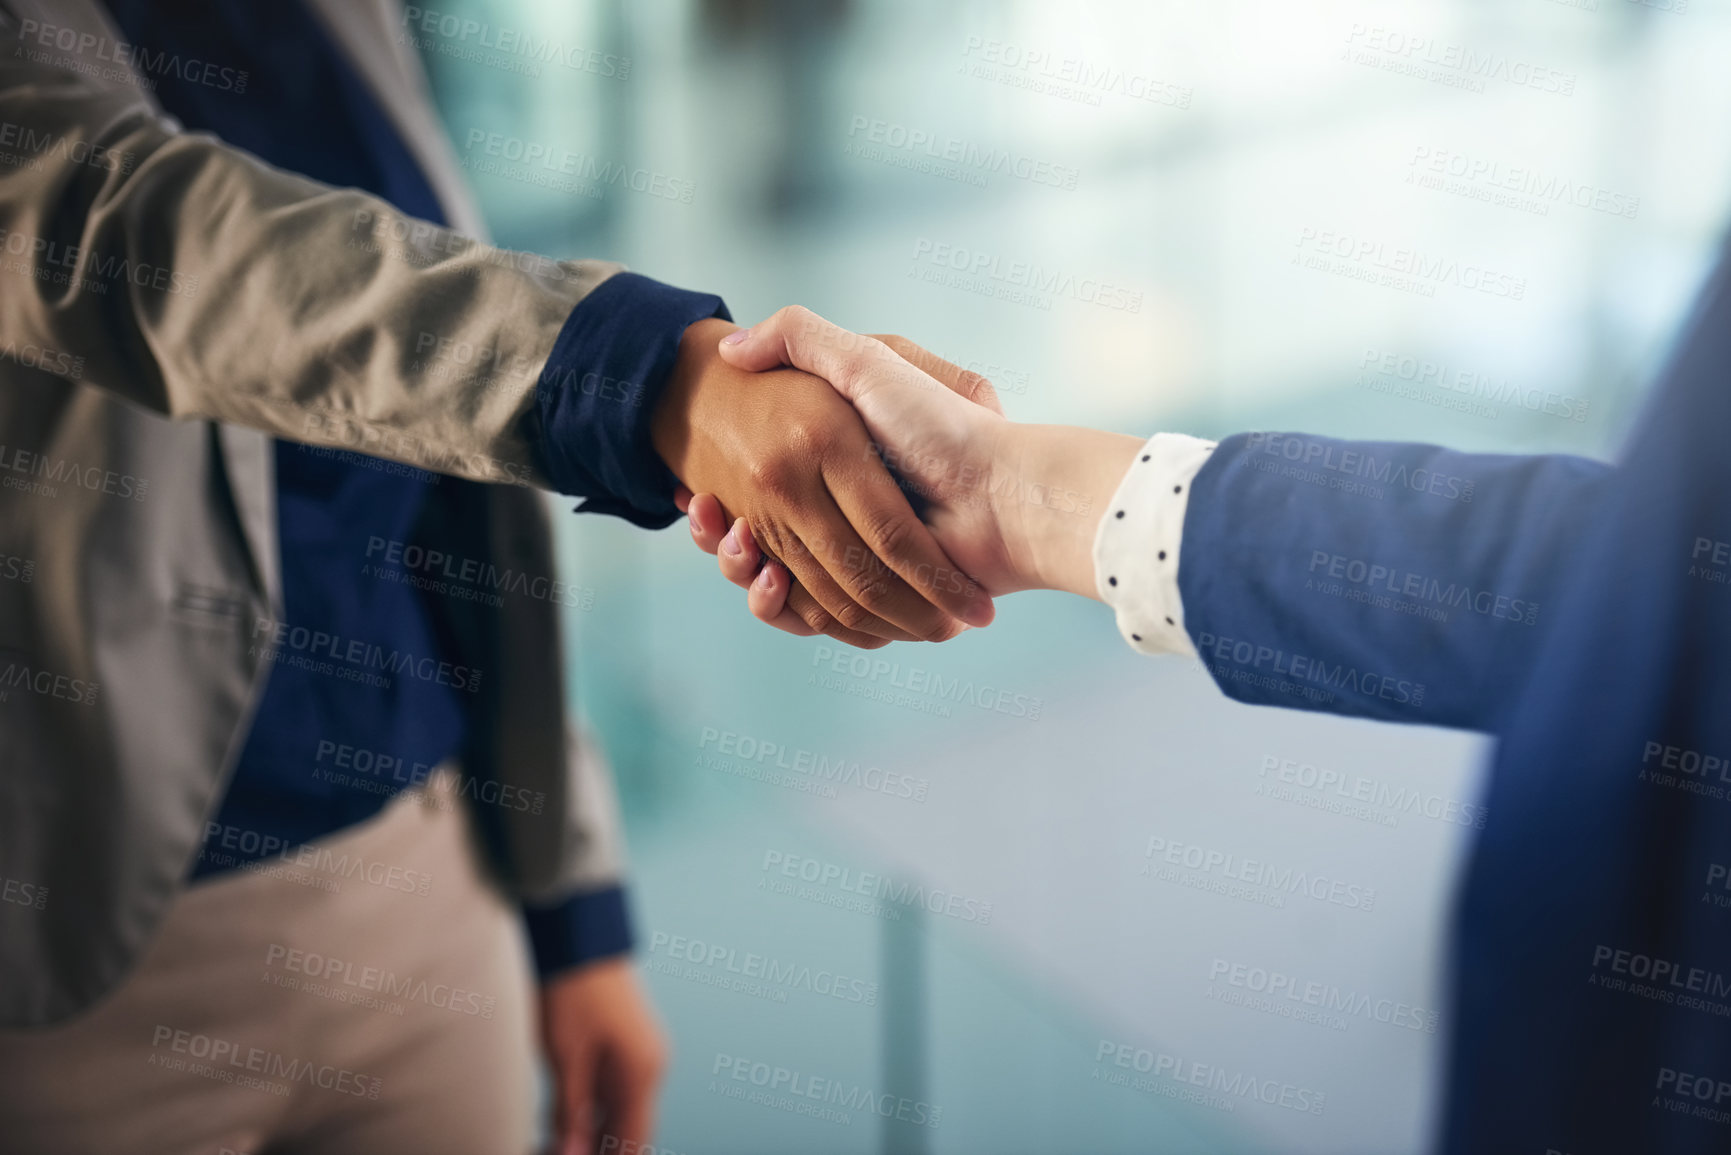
(798, 337)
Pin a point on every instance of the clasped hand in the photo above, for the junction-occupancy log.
(989, 522)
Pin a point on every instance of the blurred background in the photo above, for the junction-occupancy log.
(975, 898)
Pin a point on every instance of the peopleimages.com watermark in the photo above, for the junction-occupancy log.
(421, 244)
(1194, 1081)
(782, 764)
(466, 578)
(381, 772)
(863, 891)
(1400, 267)
(1071, 78)
(406, 451)
(369, 987)
(1424, 57)
(817, 1097)
(1332, 465)
(952, 158)
(1250, 879)
(1701, 1097)
(1285, 996)
(1661, 980)
(1301, 675)
(1462, 390)
(1400, 590)
(1520, 187)
(965, 484)
(43, 357)
(563, 170)
(859, 674)
(483, 366)
(37, 145)
(102, 58)
(354, 659)
(502, 46)
(57, 263)
(274, 856)
(256, 1068)
(42, 475)
(20, 893)
(1710, 561)
(1698, 772)
(1018, 282)
(1332, 791)
(758, 974)
(45, 683)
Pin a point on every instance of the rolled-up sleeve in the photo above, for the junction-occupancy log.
(598, 391)
(581, 929)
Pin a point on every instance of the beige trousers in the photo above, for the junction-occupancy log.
(369, 994)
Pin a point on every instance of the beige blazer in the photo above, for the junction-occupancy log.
(167, 306)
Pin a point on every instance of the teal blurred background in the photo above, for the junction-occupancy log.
(1234, 170)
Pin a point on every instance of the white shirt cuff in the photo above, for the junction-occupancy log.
(1136, 547)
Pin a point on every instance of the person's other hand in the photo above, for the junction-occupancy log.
(787, 452)
(607, 1054)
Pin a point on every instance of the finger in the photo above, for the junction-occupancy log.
(927, 589)
(964, 382)
(630, 1106)
(708, 521)
(767, 600)
(824, 556)
(796, 336)
(681, 497)
(574, 1105)
(818, 620)
(766, 580)
(896, 573)
(739, 556)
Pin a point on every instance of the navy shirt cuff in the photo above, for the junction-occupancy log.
(581, 929)
(598, 392)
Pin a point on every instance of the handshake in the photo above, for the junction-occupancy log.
(863, 488)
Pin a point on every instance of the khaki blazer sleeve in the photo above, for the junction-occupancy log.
(190, 278)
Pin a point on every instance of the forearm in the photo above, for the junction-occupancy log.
(1396, 581)
(1054, 485)
(188, 277)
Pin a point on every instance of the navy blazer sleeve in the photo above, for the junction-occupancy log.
(1401, 582)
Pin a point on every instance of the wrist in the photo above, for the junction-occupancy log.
(1055, 484)
(670, 427)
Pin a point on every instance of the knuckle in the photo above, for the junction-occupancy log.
(890, 533)
(810, 439)
(872, 595)
(854, 616)
(943, 631)
(816, 616)
(772, 475)
(974, 386)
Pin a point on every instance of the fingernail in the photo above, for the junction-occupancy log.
(730, 543)
(691, 522)
(765, 579)
(736, 337)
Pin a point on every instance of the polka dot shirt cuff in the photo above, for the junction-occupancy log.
(1136, 548)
